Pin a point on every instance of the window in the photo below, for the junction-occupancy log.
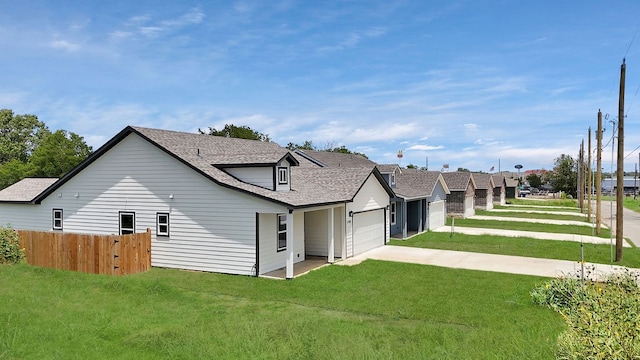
(57, 219)
(392, 178)
(282, 232)
(283, 175)
(392, 213)
(162, 224)
(127, 223)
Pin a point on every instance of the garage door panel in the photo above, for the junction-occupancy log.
(368, 230)
(437, 215)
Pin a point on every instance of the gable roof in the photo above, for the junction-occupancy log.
(208, 155)
(412, 183)
(511, 182)
(25, 190)
(458, 180)
(335, 159)
(498, 180)
(387, 168)
(483, 181)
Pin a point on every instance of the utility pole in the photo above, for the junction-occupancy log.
(589, 180)
(580, 184)
(620, 172)
(599, 174)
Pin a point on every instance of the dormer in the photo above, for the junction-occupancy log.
(261, 172)
(389, 173)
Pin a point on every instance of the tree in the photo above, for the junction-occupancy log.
(19, 135)
(463, 169)
(534, 180)
(233, 131)
(307, 145)
(13, 171)
(57, 154)
(564, 175)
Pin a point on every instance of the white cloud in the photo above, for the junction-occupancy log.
(64, 45)
(425, 147)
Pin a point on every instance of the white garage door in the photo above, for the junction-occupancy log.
(437, 214)
(368, 230)
(469, 209)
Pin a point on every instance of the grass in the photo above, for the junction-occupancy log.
(526, 226)
(372, 310)
(531, 215)
(520, 246)
(631, 203)
(545, 202)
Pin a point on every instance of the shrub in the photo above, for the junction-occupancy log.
(10, 251)
(603, 318)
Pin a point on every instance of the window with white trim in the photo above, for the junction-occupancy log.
(57, 219)
(282, 232)
(392, 213)
(392, 178)
(283, 175)
(162, 224)
(127, 223)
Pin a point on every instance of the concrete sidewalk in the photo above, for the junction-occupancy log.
(485, 262)
(530, 234)
(630, 222)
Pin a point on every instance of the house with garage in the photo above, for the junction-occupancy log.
(484, 191)
(419, 202)
(460, 201)
(499, 189)
(212, 203)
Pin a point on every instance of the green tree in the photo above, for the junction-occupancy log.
(233, 131)
(19, 135)
(57, 154)
(564, 175)
(307, 145)
(534, 180)
(13, 171)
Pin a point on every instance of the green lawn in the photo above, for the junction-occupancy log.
(531, 215)
(527, 226)
(520, 246)
(373, 310)
(546, 202)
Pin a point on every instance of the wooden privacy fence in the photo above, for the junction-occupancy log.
(90, 253)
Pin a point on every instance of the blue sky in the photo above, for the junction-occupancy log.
(473, 84)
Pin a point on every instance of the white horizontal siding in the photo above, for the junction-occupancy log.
(316, 226)
(270, 258)
(259, 176)
(370, 197)
(212, 228)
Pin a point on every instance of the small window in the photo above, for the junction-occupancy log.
(282, 232)
(162, 224)
(127, 223)
(57, 219)
(283, 175)
(392, 213)
(392, 178)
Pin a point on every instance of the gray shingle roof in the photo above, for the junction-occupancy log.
(335, 159)
(457, 180)
(483, 181)
(26, 190)
(387, 168)
(310, 184)
(411, 183)
(498, 180)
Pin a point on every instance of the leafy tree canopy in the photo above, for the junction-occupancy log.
(534, 180)
(564, 175)
(329, 147)
(29, 149)
(19, 135)
(233, 131)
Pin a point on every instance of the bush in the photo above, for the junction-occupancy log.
(603, 318)
(10, 251)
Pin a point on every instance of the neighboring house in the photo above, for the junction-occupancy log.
(212, 203)
(499, 189)
(484, 191)
(419, 204)
(335, 159)
(511, 188)
(461, 199)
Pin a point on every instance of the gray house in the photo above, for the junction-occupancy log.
(419, 204)
(212, 203)
(461, 199)
(499, 189)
